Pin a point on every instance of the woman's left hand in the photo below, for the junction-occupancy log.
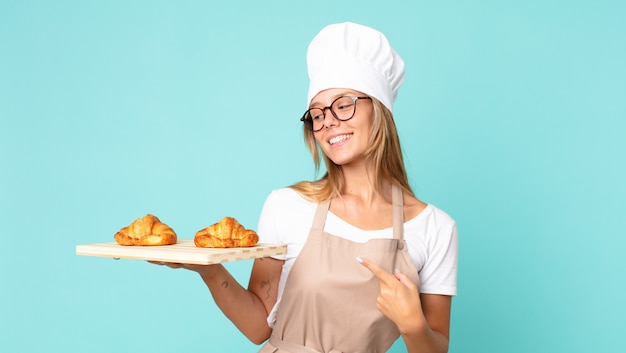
(399, 298)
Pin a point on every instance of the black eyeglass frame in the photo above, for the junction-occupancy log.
(308, 121)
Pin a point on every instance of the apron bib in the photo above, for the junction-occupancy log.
(329, 301)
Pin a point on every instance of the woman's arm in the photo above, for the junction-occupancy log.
(247, 309)
(429, 332)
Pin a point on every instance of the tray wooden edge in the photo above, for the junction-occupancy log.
(181, 252)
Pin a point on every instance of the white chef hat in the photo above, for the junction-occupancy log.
(349, 55)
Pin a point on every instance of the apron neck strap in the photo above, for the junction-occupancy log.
(397, 202)
(320, 215)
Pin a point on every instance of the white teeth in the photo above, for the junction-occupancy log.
(339, 138)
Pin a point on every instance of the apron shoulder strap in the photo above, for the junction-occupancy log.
(397, 202)
(320, 215)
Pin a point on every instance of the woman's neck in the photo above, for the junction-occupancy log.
(359, 183)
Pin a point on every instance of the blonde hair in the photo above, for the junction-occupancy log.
(384, 154)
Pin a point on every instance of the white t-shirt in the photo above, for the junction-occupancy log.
(431, 238)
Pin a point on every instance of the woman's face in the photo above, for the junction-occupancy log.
(344, 141)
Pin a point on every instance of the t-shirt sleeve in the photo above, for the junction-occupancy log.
(439, 274)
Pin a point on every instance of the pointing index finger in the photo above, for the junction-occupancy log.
(378, 271)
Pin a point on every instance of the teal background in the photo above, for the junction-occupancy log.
(512, 119)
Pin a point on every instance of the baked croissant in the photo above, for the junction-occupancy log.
(147, 231)
(227, 233)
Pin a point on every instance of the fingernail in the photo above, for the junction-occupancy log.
(359, 260)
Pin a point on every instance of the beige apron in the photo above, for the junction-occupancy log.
(329, 300)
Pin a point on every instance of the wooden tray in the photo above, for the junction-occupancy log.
(185, 251)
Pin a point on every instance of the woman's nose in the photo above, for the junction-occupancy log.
(329, 118)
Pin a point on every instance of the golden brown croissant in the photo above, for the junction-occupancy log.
(147, 231)
(227, 233)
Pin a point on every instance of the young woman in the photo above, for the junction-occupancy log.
(367, 261)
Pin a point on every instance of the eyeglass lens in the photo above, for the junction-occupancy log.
(342, 108)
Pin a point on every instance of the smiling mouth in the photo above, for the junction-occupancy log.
(339, 138)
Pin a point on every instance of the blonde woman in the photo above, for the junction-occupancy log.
(367, 261)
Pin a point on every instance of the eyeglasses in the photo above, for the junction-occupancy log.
(342, 108)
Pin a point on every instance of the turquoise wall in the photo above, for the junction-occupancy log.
(512, 118)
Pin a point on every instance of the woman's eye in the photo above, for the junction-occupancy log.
(317, 115)
(344, 106)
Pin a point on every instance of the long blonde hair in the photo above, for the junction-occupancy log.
(384, 154)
